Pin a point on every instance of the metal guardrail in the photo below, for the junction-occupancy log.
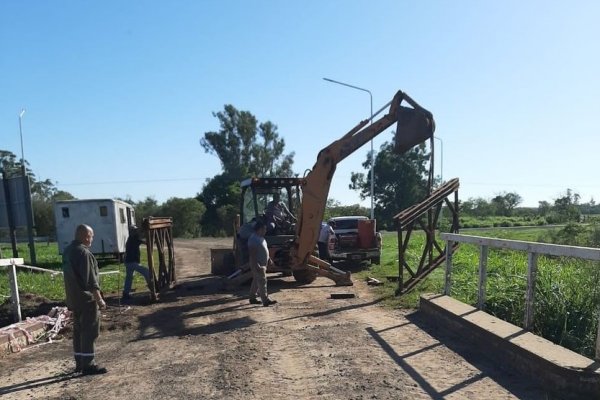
(533, 249)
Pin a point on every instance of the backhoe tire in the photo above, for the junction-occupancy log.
(305, 276)
(376, 260)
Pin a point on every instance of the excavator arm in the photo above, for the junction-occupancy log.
(414, 125)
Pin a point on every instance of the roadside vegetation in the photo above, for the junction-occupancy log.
(52, 288)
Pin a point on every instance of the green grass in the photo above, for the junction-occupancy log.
(567, 292)
(52, 288)
(496, 221)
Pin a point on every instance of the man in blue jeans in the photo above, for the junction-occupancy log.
(132, 261)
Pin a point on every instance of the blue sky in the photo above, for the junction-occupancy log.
(118, 94)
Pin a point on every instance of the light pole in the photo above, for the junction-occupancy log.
(21, 134)
(27, 194)
(441, 159)
(372, 153)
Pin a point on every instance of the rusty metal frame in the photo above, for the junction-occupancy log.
(425, 216)
(159, 236)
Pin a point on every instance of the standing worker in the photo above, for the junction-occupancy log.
(132, 261)
(323, 242)
(259, 259)
(80, 270)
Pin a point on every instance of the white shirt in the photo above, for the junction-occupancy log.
(326, 230)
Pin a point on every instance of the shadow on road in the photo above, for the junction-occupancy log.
(32, 384)
(518, 386)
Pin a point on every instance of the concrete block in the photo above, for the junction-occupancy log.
(563, 371)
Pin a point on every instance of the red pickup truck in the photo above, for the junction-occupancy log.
(356, 239)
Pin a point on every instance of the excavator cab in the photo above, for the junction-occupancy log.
(276, 201)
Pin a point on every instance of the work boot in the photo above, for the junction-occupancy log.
(93, 370)
(269, 302)
(254, 300)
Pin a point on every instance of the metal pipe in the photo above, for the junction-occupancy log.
(372, 153)
(441, 158)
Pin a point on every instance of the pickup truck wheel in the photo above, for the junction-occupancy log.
(305, 276)
(376, 260)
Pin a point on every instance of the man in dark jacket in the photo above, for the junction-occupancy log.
(84, 299)
(132, 261)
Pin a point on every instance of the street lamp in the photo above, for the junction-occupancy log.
(27, 194)
(372, 153)
(441, 159)
(21, 134)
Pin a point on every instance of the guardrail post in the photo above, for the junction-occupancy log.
(483, 258)
(530, 294)
(14, 292)
(448, 284)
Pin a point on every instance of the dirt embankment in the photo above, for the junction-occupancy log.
(205, 343)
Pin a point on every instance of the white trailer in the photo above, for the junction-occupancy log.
(109, 218)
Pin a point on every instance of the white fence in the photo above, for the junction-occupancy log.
(13, 264)
(533, 249)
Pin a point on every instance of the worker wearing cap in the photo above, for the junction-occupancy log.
(84, 299)
(132, 261)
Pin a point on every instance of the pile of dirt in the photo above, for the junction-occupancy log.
(32, 305)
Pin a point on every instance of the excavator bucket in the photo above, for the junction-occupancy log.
(414, 127)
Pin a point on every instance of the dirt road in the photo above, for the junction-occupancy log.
(201, 342)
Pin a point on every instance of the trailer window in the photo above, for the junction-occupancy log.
(65, 212)
(103, 211)
(122, 215)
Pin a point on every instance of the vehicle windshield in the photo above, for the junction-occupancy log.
(346, 224)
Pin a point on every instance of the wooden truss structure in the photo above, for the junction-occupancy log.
(425, 216)
(159, 237)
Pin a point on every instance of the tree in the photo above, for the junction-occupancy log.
(186, 214)
(245, 148)
(566, 208)
(335, 209)
(401, 180)
(43, 193)
(148, 207)
(544, 208)
(505, 203)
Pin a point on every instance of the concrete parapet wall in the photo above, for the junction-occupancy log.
(560, 370)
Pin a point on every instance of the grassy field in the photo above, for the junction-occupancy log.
(52, 289)
(567, 293)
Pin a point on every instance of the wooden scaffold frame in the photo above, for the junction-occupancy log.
(159, 237)
(425, 216)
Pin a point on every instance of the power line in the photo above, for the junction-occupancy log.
(131, 181)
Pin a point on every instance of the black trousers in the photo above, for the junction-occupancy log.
(323, 251)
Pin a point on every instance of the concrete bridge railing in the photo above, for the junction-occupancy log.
(532, 249)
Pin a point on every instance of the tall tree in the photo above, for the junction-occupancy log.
(400, 180)
(245, 148)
